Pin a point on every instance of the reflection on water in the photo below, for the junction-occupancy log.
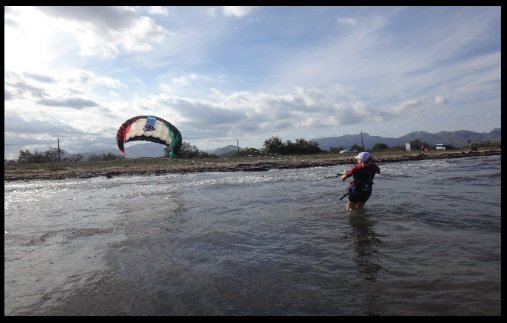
(366, 242)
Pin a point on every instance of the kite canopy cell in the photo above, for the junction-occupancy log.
(149, 128)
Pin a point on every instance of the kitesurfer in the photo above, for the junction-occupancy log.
(363, 173)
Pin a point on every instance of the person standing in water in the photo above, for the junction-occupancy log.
(363, 174)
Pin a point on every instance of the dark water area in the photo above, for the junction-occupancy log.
(258, 243)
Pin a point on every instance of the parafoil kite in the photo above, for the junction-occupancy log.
(149, 128)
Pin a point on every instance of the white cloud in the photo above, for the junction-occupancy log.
(440, 99)
(346, 21)
(237, 11)
(158, 10)
(406, 106)
(106, 31)
(185, 80)
(249, 113)
(76, 98)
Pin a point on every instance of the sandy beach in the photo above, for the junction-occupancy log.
(160, 166)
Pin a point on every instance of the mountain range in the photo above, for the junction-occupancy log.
(457, 139)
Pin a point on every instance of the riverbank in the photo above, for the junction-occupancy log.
(160, 166)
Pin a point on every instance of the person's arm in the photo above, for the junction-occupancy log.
(347, 174)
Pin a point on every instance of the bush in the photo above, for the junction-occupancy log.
(186, 151)
(274, 145)
(379, 147)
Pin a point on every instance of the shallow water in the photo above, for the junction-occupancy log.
(258, 243)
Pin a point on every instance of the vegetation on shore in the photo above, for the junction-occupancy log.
(276, 154)
(158, 166)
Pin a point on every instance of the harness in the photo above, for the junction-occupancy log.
(363, 178)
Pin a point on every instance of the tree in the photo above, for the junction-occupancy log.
(313, 147)
(379, 147)
(25, 156)
(76, 157)
(416, 144)
(307, 147)
(274, 145)
(356, 148)
(52, 155)
(186, 151)
(301, 146)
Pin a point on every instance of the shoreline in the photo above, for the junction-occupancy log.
(161, 166)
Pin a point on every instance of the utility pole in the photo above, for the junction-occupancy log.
(362, 143)
(237, 145)
(58, 142)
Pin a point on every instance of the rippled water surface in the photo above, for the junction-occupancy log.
(258, 243)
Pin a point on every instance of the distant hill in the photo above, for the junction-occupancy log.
(224, 151)
(347, 141)
(457, 139)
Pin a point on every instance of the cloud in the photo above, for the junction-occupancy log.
(74, 103)
(158, 10)
(250, 113)
(41, 78)
(19, 89)
(186, 80)
(440, 99)
(69, 85)
(346, 21)
(87, 80)
(106, 31)
(406, 106)
(237, 11)
(36, 127)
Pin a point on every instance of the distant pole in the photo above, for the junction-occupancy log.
(237, 145)
(362, 143)
(58, 142)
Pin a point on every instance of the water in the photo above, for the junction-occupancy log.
(258, 243)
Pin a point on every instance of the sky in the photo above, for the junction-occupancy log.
(224, 75)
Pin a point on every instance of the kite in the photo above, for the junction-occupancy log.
(149, 128)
